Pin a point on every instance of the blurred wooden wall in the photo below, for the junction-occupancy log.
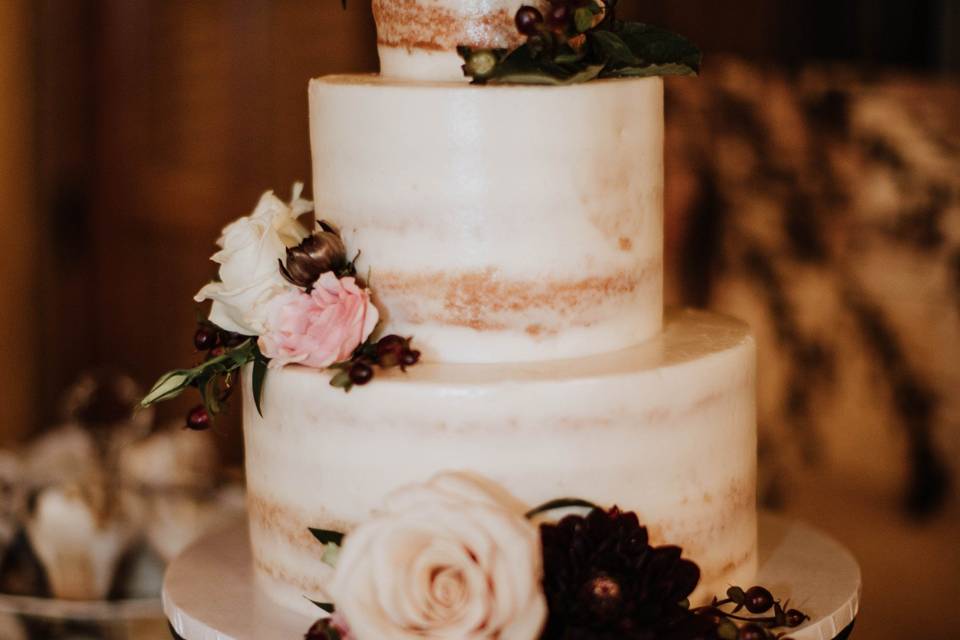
(19, 224)
(157, 121)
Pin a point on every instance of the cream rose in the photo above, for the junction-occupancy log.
(453, 559)
(250, 251)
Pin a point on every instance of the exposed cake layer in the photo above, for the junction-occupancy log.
(503, 223)
(418, 39)
(667, 429)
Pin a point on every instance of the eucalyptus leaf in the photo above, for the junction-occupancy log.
(326, 536)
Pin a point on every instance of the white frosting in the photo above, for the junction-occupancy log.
(418, 39)
(499, 223)
(667, 429)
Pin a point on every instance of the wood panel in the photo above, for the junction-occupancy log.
(18, 222)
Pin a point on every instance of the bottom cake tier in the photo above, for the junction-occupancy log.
(666, 429)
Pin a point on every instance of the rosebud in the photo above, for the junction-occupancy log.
(481, 64)
(323, 251)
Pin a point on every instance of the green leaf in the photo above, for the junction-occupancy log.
(326, 606)
(545, 79)
(614, 50)
(170, 385)
(341, 380)
(583, 18)
(328, 537)
(656, 46)
(210, 394)
(560, 503)
(257, 380)
(331, 555)
(736, 594)
(650, 71)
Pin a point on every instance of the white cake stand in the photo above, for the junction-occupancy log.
(209, 591)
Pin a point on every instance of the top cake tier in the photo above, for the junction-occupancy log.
(499, 223)
(418, 39)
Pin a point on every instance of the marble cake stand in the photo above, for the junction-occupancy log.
(209, 592)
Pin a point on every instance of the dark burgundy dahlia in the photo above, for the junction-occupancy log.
(604, 581)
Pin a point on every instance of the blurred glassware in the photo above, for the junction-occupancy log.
(93, 508)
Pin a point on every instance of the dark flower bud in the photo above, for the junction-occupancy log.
(323, 251)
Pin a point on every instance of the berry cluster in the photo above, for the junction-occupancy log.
(563, 27)
(214, 343)
(387, 352)
(756, 600)
(564, 18)
(557, 36)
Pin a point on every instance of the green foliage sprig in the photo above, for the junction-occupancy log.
(589, 43)
(216, 376)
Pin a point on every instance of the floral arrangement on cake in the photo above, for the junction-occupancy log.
(286, 293)
(580, 40)
(458, 557)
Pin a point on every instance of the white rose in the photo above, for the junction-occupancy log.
(454, 558)
(250, 251)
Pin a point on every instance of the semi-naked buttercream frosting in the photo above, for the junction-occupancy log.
(499, 223)
(418, 39)
(516, 233)
(666, 428)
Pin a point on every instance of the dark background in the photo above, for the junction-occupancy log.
(158, 120)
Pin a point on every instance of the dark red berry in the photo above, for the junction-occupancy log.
(205, 338)
(752, 631)
(234, 340)
(361, 373)
(795, 618)
(216, 352)
(389, 350)
(391, 343)
(410, 357)
(198, 419)
(528, 19)
(714, 615)
(559, 15)
(758, 600)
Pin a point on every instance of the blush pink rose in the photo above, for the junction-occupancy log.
(319, 328)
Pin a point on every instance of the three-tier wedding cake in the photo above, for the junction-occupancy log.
(516, 232)
(512, 230)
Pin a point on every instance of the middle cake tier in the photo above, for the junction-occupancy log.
(666, 429)
(516, 223)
